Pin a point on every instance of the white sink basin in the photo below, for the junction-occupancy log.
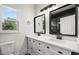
(44, 38)
(65, 42)
(58, 41)
(50, 39)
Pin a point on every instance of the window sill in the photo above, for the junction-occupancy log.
(9, 31)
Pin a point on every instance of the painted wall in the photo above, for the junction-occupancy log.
(25, 15)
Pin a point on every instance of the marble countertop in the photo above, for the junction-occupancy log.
(66, 44)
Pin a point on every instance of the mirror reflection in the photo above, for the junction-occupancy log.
(39, 24)
(64, 22)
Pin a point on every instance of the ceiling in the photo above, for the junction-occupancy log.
(20, 6)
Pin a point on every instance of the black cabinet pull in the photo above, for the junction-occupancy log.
(48, 47)
(39, 43)
(31, 48)
(39, 50)
(60, 52)
(74, 53)
(33, 41)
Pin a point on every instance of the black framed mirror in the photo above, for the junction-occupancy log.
(63, 21)
(39, 24)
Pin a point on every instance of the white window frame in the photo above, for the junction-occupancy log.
(17, 26)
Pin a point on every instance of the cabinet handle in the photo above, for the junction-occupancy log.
(33, 41)
(74, 53)
(48, 47)
(39, 43)
(39, 50)
(60, 52)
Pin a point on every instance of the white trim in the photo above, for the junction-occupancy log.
(8, 31)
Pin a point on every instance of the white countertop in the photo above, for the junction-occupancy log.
(69, 45)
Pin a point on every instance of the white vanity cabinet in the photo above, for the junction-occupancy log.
(36, 47)
(30, 46)
(32, 49)
(56, 50)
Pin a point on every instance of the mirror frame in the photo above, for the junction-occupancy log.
(35, 24)
(76, 22)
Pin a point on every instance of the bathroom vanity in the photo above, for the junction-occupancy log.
(48, 46)
(63, 22)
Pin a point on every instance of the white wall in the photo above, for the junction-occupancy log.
(24, 13)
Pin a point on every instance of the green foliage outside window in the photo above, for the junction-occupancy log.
(9, 25)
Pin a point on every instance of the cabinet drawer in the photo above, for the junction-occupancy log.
(62, 51)
(40, 50)
(47, 49)
(34, 51)
(37, 44)
(30, 40)
(58, 50)
(51, 52)
(43, 48)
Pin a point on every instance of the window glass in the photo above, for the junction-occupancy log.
(8, 18)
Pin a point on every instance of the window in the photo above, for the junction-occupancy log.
(7, 18)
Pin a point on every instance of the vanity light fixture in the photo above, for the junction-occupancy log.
(45, 8)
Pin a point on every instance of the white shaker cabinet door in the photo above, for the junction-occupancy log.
(30, 46)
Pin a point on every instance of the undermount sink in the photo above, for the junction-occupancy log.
(52, 40)
(68, 43)
(71, 43)
(44, 38)
(58, 41)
